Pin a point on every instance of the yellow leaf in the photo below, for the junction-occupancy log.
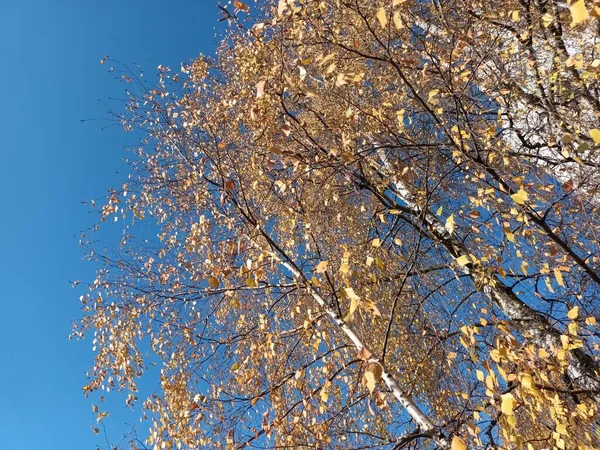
(382, 17)
(372, 376)
(351, 294)
(558, 276)
(578, 12)
(573, 328)
(450, 224)
(520, 197)
(508, 403)
(595, 134)
(324, 396)
(344, 268)
(213, 282)
(321, 267)
(397, 20)
(235, 367)
(376, 242)
(527, 381)
(439, 211)
(590, 321)
(573, 313)
(547, 20)
(463, 260)
(349, 316)
(458, 444)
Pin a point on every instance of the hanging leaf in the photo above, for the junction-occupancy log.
(450, 224)
(241, 6)
(558, 276)
(458, 443)
(382, 17)
(372, 376)
(520, 197)
(214, 282)
(463, 260)
(579, 12)
(573, 313)
(364, 354)
(507, 405)
(321, 267)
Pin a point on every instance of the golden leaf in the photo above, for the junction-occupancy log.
(558, 276)
(321, 267)
(349, 316)
(590, 321)
(372, 376)
(573, 313)
(351, 294)
(345, 268)
(508, 403)
(397, 20)
(595, 135)
(520, 197)
(458, 443)
(450, 224)
(382, 17)
(214, 282)
(579, 12)
(463, 260)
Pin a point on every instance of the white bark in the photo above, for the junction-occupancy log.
(417, 414)
(582, 369)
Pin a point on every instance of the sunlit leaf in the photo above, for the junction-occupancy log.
(579, 12)
(382, 17)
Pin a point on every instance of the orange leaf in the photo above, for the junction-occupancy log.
(241, 6)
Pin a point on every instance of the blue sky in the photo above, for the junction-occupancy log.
(50, 79)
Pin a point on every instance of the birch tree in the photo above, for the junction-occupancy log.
(373, 224)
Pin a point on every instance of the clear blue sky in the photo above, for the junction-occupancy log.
(50, 79)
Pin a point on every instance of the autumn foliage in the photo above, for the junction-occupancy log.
(363, 224)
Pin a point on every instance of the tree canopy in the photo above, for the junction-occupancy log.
(363, 224)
